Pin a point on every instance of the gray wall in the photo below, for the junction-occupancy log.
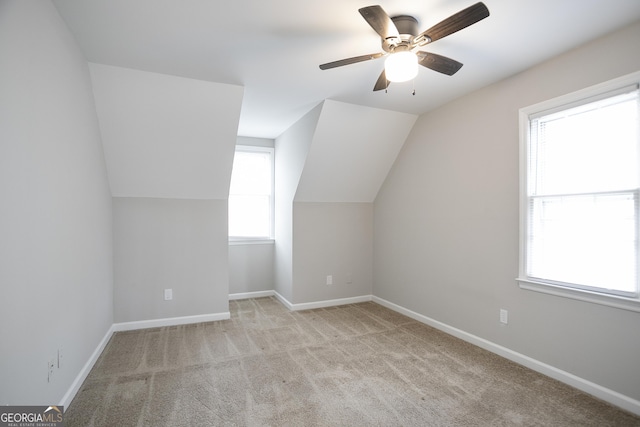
(169, 244)
(332, 239)
(446, 225)
(291, 150)
(55, 214)
(251, 268)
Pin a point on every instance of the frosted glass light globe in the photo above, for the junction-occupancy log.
(401, 66)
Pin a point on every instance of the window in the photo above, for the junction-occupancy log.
(580, 181)
(251, 194)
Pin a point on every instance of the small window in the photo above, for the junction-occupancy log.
(580, 180)
(251, 194)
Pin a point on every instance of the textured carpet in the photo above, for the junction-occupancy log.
(353, 365)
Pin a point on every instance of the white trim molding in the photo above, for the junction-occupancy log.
(322, 304)
(237, 241)
(248, 295)
(608, 395)
(84, 372)
(130, 326)
(603, 393)
(283, 300)
(185, 320)
(170, 321)
(631, 304)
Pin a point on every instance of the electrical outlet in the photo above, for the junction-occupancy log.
(168, 294)
(504, 316)
(329, 280)
(60, 358)
(50, 368)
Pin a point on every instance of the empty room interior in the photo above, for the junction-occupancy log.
(404, 207)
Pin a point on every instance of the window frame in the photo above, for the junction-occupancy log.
(584, 96)
(253, 240)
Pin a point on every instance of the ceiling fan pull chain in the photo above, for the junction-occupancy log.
(414, 87)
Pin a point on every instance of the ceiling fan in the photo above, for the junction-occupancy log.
(400, 38)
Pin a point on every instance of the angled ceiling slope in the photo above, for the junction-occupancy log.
(273, 48)
(351, 152)
(166, 136)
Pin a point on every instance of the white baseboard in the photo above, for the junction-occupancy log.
(322, 304)
(582, 384)
(247, 295)
(170, 321)
(129, 326)
(283, 300)
(603, 393)
(77, 383)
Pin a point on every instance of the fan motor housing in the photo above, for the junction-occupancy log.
(408, 28)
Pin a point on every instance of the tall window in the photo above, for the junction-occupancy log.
(580, 192)
(251, 194)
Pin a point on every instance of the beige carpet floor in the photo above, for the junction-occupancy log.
(353, 365)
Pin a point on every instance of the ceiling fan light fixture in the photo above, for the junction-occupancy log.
(401, 66)
(399, 37)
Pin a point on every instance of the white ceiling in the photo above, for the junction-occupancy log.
(273, 48)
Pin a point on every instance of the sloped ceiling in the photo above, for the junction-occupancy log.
(273, 48)
(166, 136)
(351, 152)
(250, 68)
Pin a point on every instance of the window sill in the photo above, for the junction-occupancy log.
(631, 304)
(233, 242)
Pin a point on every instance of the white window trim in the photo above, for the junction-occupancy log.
(235, 240)
(526, 283)
(249, 241)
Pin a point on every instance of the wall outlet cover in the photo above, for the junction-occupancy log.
(504, 316)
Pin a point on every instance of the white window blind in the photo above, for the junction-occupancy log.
(582, 194)
(251, 194)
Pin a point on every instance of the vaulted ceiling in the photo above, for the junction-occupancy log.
(175, 82)
(273, 48)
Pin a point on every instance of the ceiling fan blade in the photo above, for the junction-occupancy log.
(380, 22)
(454, 23)
(348, 61)
(382, 82)
(439, 63)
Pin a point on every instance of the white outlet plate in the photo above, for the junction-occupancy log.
(168, 294)
(329, 280)
(60, 358)
(504, 316)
